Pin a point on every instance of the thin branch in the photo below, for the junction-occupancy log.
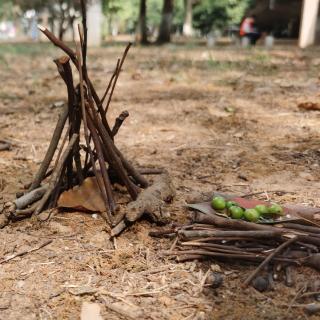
(110, 82)
(24, 252)
(117, 76)
(51, 150)
(56, 174)
(268, 259)
(119, 121)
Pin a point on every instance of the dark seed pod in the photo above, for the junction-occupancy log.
(261, 284)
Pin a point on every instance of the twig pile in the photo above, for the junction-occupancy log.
(74, 161)
(212, 236)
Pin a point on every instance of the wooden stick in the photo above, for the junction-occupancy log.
(215, 246)
(150, 171)
(51, 150)
(60, 44)
(301, 227)
(143, 182)
(254, 257)
(117, 76)
(268, 259)
(115, 161)
(30, 197)
(25, 212)
(257, 234)
(118, 123)
(234, 224)
(86, 132)
(111, 205)
(107, 191)
(24, 252)
(56, 174)
(110, 82)
(217, 249)
(65, 71)
(85, 33)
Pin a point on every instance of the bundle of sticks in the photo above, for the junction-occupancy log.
(98, 155)
(215, 237)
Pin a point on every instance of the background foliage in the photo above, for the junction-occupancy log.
(207, 14)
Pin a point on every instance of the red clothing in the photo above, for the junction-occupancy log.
(247, 26)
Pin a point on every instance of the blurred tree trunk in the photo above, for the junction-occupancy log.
(187, 25)
(62, 20)
(142, 32)
(166, 22)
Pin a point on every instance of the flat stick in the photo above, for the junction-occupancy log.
(269, 258)
(51, 150)
(254, 257)
(301, 227)
(217, 250)
(215, 220)
(256, 234)
(215, 246)
(56, 174)
(24, 252)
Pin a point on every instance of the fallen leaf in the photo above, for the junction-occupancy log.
(86, 197)
(90, 311)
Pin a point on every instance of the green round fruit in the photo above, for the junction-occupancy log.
(252, 215)
(275, 209)
(230, 204)
(236, 212)
(262, 209)
(218, 203)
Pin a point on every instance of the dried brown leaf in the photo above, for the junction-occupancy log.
(86, 197)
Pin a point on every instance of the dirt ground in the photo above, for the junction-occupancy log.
(224, 119)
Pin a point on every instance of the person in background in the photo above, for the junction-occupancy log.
(248, 29)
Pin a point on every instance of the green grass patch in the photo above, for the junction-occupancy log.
(29, 49)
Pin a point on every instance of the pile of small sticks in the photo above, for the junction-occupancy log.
(85, 112)
(212, 236)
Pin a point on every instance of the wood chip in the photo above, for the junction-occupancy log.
(90, 311)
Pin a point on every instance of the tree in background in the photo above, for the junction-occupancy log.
(62, 12)
(188, 18)
(142, 30)
(166, 22)
(159, 17)
(7, 10)
(218, 14)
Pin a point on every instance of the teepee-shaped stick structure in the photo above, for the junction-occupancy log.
(85, 113)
